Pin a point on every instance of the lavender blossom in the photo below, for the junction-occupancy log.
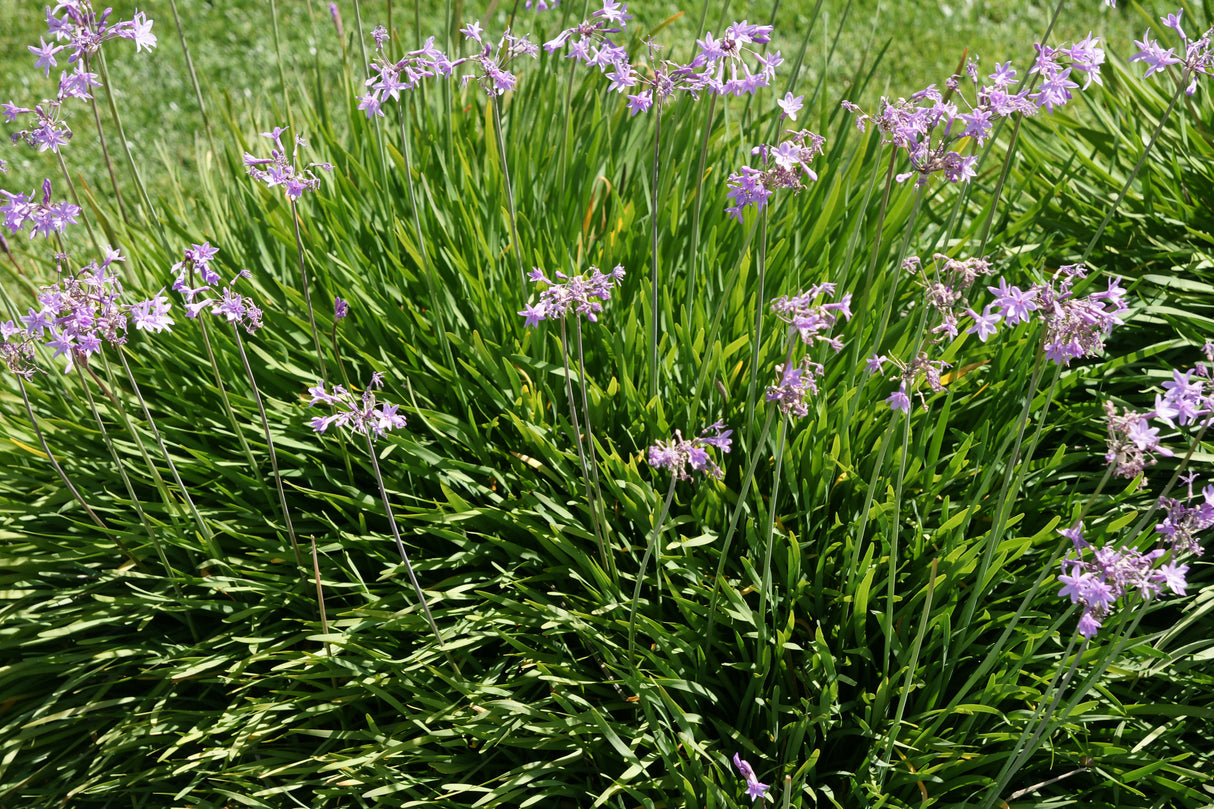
(84, 310)
(230, 305)
(784, 166)
(928, 128)
(86, 31)
(363, 414)
(1132, 443)
(797, 384)
(753, 788)
(680, 453)
(1198, 55)
(1096, 578)
(1183, 521)
(390, 78)
(580, 294)
(813, 320)
(44, 217)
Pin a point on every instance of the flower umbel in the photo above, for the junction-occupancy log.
(679, 453)
(581, 294)
(363, 414)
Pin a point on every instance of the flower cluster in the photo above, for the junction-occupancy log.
(82, 311)
(784, 166)
(753, 788)
(86, 31)
(1198, 55)
(797, 384)
(279, 169)
(908, 376)
(946, 289)
(813, 320)
(1132, 442)
(49, 131)
(679, 453)
(580, 294)
(721, 66)
(491, 61)
(44, 217)
(588, 41)
(362, 414)
(1095, 578)
(231, 305)
(390, 78)
(1076, 327)
(928, 127)
(1183, 522)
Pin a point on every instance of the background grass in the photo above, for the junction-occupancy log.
(905, 642)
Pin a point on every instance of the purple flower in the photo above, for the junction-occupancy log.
(784, 166)
(985, 324)
(340, 309)
(363, 414)
(152, 314)
(790, 105)
(1097, 578)
(579, 294)
(898, 400)
(279, 169)
(796, 385)
(678, 454)
(753, 788)
(46, 55)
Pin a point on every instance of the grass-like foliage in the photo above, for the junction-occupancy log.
(610, 416)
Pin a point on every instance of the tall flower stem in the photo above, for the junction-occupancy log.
(148, 211)
(697, 208)
(501, 150)
(223, 396)
(747, 479)
(307, 290)
(757, 336)
(600, 539)
(208, 535)
(649, 546)
(63, 475)
(105, 154)
(769, 531)
(593, 461)
(265, 424)
(436, 305)
(400, 546)
(189, 64)
(126, 480)
(653, 215)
